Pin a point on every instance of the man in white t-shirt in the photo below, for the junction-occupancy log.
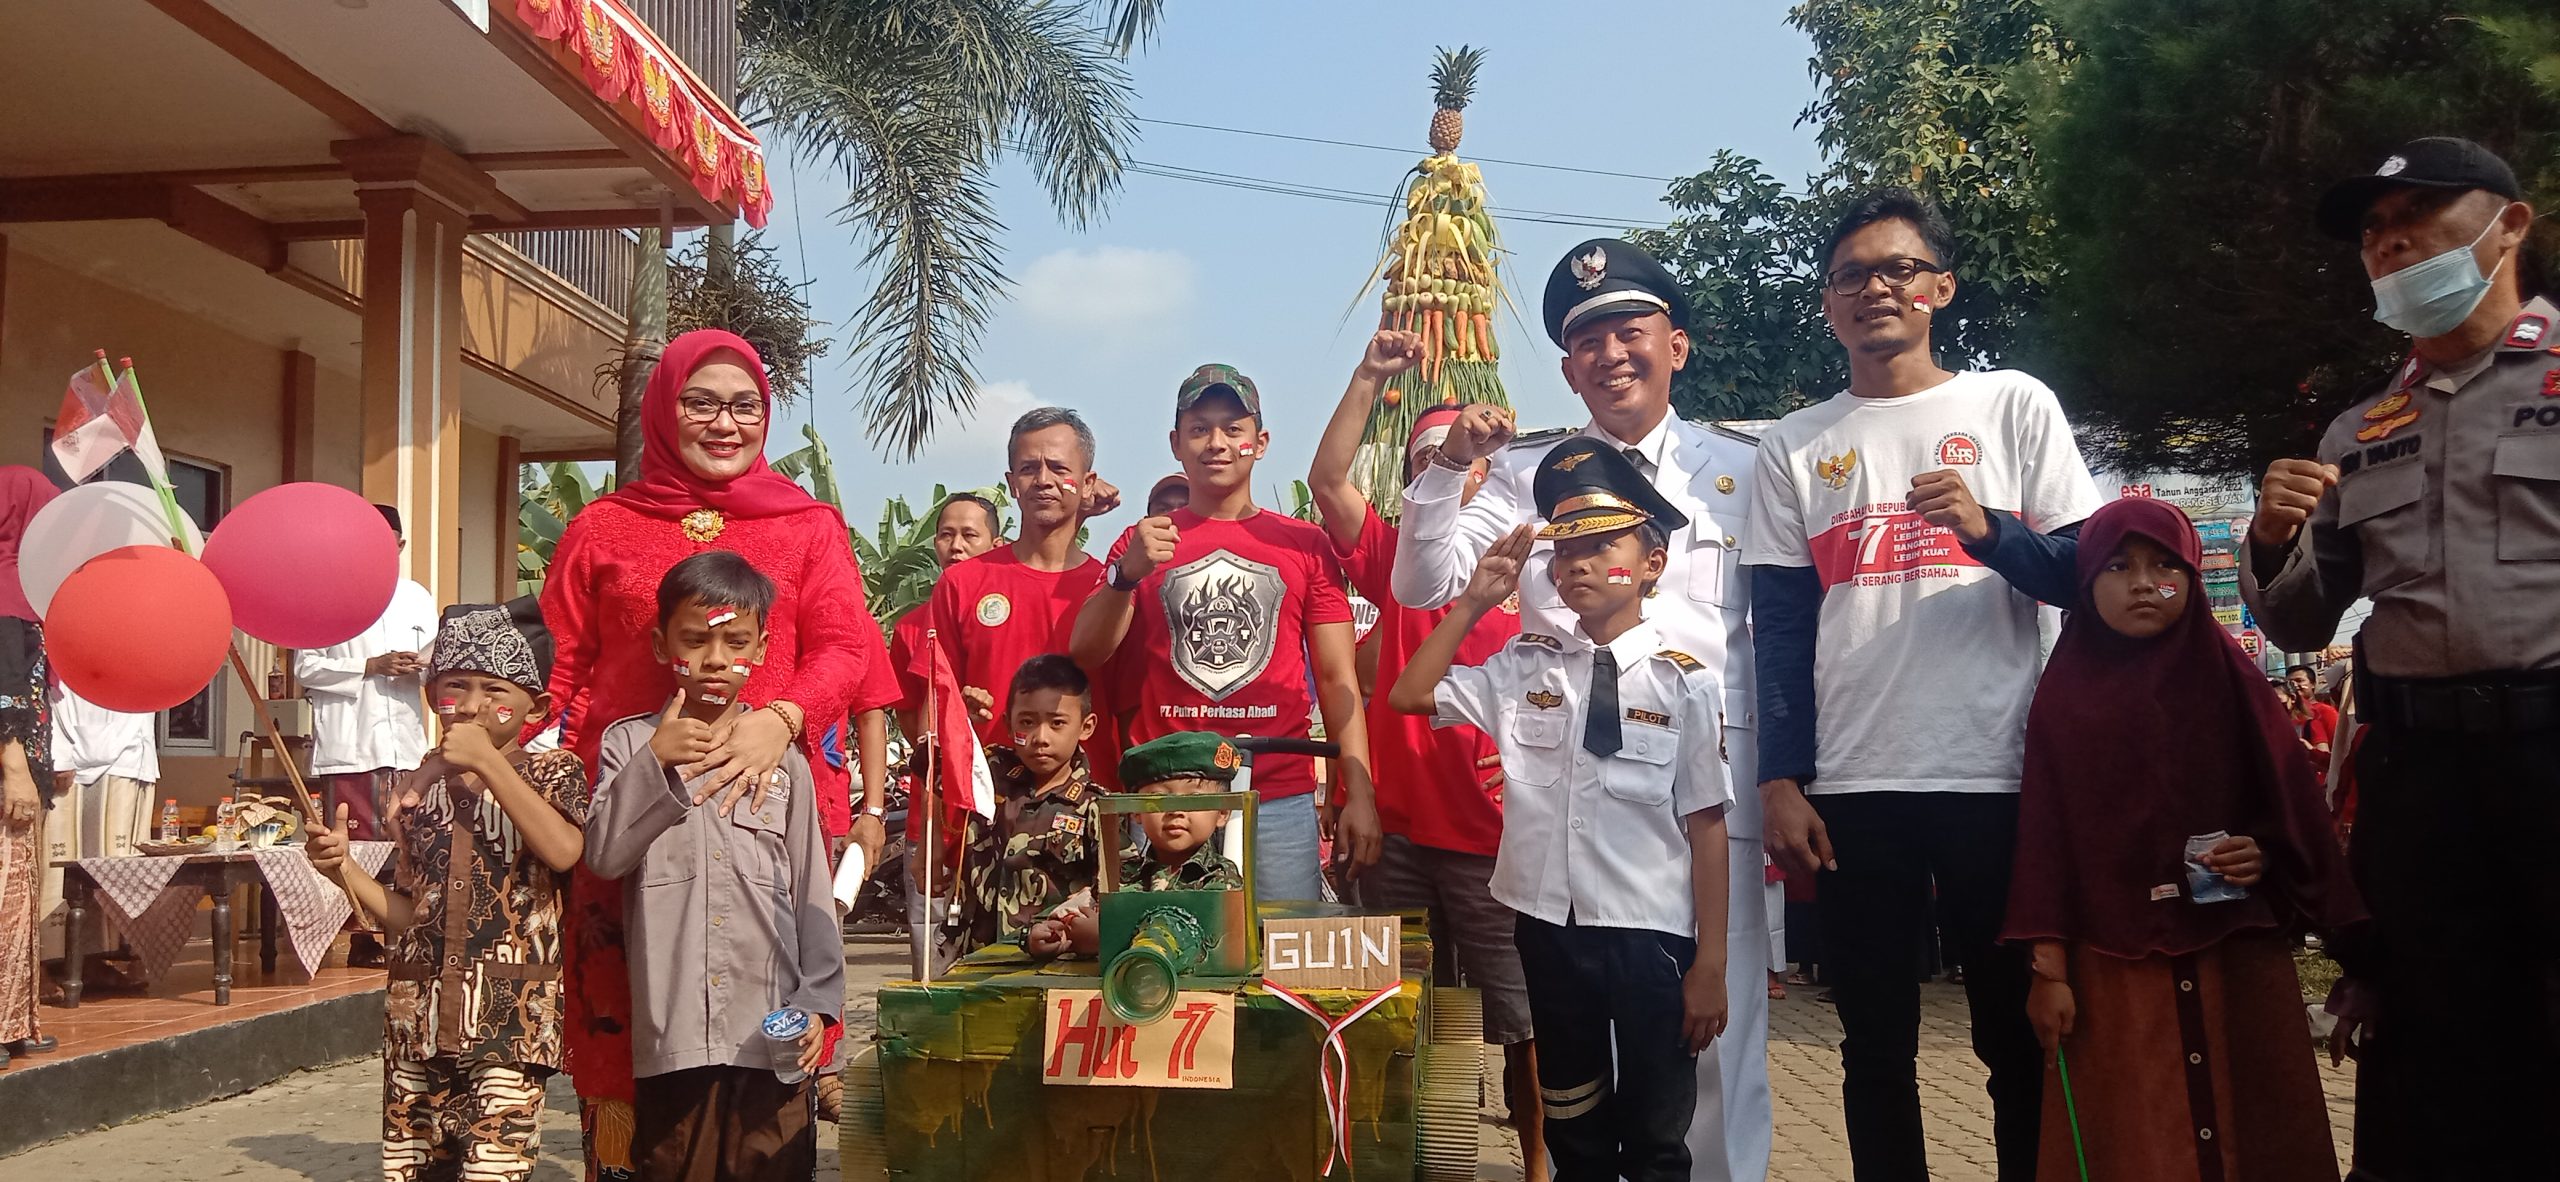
(1896, 662)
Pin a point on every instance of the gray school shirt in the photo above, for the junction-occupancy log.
(725, 919)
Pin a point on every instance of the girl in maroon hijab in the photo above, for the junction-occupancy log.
(703, 485)
(2180, 1021)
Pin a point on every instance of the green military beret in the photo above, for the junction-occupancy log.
(1183, 753)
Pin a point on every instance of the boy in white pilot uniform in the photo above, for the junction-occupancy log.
(1613, 844)
(1622, 323)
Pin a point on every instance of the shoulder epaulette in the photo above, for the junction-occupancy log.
(1683, 660)
(1541, 640)
(1540, 437)
(1741, 436)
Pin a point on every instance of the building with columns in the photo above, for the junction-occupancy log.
(379, 243)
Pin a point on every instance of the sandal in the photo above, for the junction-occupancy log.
(1777, 990)
(1798, 977)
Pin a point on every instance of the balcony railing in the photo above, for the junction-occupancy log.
(597, 262)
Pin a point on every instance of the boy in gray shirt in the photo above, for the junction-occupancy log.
(728, 912)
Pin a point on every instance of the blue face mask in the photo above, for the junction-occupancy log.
(2434, 297)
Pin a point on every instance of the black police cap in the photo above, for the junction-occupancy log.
(1584, 486)
(1607, 277)
(2436, 162)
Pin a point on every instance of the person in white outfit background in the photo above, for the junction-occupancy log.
(106, 767)
(368, 712)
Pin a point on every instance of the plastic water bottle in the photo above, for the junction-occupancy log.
(226, 828)
(784, 1029)
(169, 820)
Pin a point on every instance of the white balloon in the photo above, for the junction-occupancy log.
(85, 522)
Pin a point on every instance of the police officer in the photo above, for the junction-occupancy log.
(2438, 496)
(1623, 325)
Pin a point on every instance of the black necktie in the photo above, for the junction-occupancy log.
(1600, 726)
(1636, 457)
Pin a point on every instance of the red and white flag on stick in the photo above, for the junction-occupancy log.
(101, 417)
(965, 781)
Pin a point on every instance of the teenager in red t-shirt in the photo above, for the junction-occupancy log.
(1439, 789)
(1225, 608)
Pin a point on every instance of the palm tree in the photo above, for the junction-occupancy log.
(916, 101)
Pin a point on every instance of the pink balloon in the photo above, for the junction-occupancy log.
(139, 629)
(307, 565)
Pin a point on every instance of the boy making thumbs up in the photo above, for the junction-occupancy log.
(728, 918)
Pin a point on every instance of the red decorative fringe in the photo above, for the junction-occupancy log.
(622, 58)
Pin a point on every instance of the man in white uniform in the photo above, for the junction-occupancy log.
(368, 717)
(1622, 322)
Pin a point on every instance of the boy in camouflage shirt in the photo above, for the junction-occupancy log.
(1182, 852)
(1044, 846)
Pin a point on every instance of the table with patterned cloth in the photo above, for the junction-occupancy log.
(152, 899)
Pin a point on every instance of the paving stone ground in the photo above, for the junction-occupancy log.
(321, 1126)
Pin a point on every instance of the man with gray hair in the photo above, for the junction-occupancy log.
(992, 613)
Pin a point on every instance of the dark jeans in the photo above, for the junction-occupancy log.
(1633, 1122)
(1891, 846)
(2454, 853)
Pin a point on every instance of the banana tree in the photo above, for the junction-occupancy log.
(552, 495)
(898, 567)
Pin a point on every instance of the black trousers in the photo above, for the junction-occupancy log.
(1891, 847)
(1616, 1106)
(2457, 852)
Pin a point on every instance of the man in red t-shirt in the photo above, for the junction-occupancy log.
(1439, 790)
(1224, 608)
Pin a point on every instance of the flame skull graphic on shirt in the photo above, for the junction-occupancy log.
(1221, 611)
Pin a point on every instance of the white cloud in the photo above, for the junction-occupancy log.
(1105, 290)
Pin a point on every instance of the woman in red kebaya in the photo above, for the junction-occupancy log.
(703, 485)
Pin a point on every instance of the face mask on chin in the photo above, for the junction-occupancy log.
(2433, 297)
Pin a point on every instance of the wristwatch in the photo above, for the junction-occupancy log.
(1111, 575)
(875, 810)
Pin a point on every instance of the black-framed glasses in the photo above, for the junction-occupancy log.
(698, 409)
(1896, 273)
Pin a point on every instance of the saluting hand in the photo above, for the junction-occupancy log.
(1151, 547)
(1497, 576)
(1481, 430)
(1941, 498)
(1391, 352)
(2286, 497)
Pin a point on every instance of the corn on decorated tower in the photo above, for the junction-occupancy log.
(1442, 273)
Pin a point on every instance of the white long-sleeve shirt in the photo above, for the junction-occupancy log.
(91, 741)
(361, 723)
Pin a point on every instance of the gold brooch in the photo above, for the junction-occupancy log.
(703, 525)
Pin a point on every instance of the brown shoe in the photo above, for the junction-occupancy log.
(831, 1098)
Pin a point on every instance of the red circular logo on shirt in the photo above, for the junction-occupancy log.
(1958, 448)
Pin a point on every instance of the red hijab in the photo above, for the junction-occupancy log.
(2133, 746)
(23, 491)
(667, 488)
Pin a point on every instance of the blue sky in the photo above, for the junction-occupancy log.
(1177, 273)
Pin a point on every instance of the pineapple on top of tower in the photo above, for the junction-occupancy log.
(1443, 279)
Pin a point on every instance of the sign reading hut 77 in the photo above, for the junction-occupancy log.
(1193, 1047)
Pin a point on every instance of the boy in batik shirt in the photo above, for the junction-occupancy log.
(486, 835)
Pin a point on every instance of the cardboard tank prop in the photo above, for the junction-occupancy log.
(1215, 1035)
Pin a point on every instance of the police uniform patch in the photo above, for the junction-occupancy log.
(1683, 660)
(2383, 429)
(1648, 717)
(1836, 470)
(2527, 331)
(1545, 699)
(2388, 407)
(2551, 383)
(994, 609)
(1542, 640)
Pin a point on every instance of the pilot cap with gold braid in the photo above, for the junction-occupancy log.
(1585, 487)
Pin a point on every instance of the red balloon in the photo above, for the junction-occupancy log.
(307, 565)
(139, 629)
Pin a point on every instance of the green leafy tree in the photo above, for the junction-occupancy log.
(916, 101)
(2201, 323)
(1741, 247)
(1941, 96)
(898, 567)
(549, 496)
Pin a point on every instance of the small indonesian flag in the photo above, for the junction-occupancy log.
(966, 782)
(99, 421)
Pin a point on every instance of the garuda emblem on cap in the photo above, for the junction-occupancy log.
(2392, 166)
(1590, 268)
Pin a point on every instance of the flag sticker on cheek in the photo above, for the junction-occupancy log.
(2168, 590)
(449, 707)
(505, 714)
(1244, 449)
(683, 668)
(1620, 576)
(718, 614)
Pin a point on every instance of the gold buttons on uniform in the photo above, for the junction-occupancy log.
(1729, 541)
(1724, 484)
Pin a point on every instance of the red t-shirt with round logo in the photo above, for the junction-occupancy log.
(992, 613)
(1220, 635)
(1428, 786)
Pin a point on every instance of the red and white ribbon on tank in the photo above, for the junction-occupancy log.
(1333, 1065)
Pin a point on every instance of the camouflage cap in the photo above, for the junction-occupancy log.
(1218, 377)
(1181, 754)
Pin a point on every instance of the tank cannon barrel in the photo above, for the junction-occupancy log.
(1141, 983)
